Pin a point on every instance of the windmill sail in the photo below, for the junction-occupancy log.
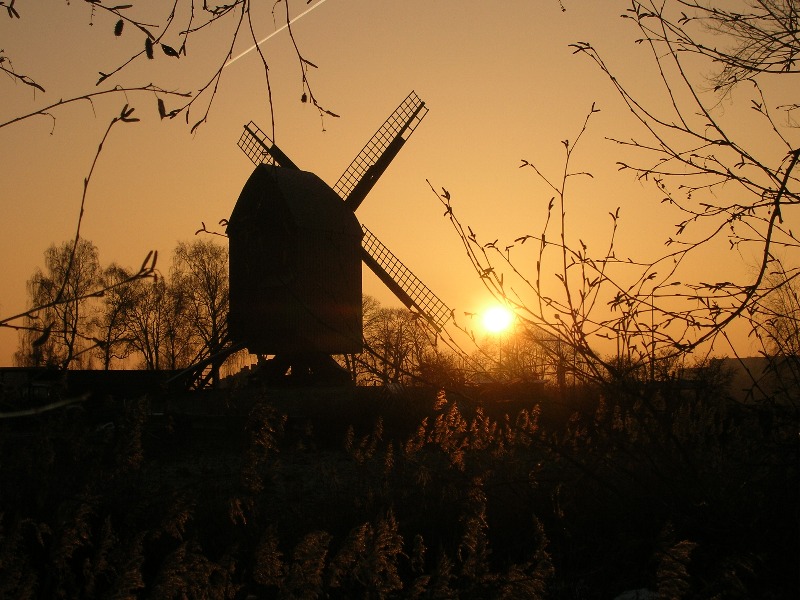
(405, 285)
(260, 149)
(359, 178)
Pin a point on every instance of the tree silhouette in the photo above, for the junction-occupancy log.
(165, 36)
(761, 36)
(200, 277)
(110, 322)
(59, 296)
(722, 183)
(148, 319)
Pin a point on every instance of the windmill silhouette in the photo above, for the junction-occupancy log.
(296, 249)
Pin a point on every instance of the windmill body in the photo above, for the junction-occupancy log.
(295, 266)
(296, 249)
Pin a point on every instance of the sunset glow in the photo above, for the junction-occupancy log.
(497, 319)
(351, 298)
(516, 91)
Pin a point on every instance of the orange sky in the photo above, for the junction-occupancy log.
(499, 78)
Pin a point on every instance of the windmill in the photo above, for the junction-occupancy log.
(296, 249)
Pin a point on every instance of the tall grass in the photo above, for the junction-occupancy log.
(622, 489)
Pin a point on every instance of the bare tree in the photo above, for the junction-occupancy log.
(400, 348)
(179, 340)
(200, 275)
(779, 313)
(166, 35)
(115, 314)
(722, 183)
(51, 295)
(775, 321)
(59, 295)
(760, 36)
(110, 323)
(393, 336)
(146, 321)
(353, 363)
(523, 353)
(158, 325)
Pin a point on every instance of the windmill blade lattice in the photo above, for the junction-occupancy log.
(260, 149)
(405, 285)
(359, 178)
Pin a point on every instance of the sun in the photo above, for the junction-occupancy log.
(497, 319)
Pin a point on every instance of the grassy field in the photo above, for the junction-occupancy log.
(367, 493)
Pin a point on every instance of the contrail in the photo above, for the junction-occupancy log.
(274, 33)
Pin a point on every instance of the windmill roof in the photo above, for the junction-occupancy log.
(310, 201)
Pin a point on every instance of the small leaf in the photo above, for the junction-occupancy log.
(118, 27)
(162, 112)
(125, 115)
(170, 51)
(304, 98)
(145, 266)
(196, 125)
(148, 48)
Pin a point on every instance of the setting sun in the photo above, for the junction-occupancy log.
(497, 319)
